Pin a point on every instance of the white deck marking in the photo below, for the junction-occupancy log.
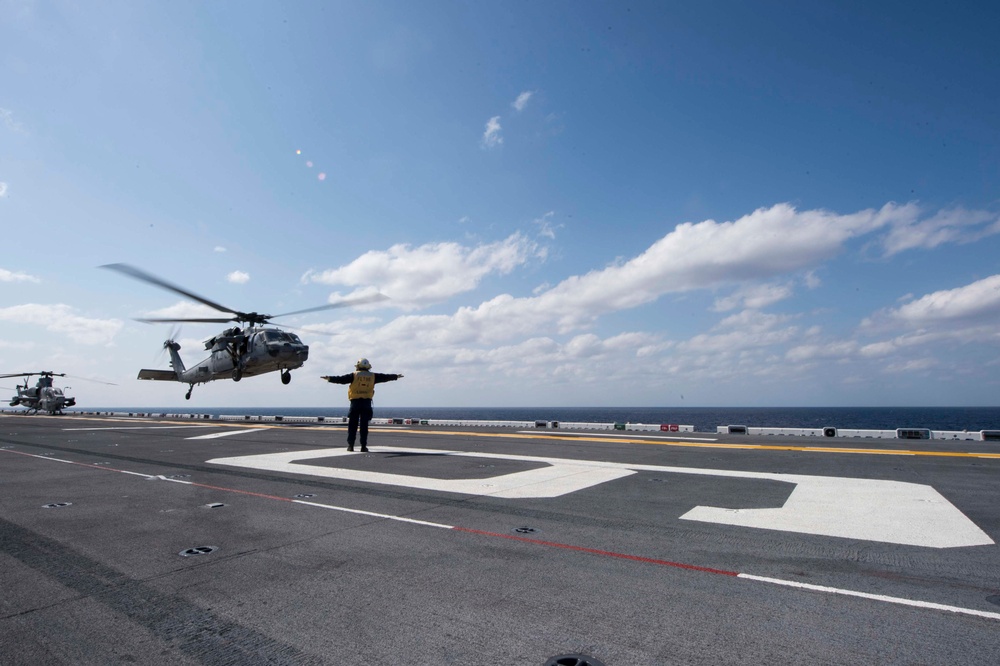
(871, 510)
(227, 433)
(557, 477)
(874, 597)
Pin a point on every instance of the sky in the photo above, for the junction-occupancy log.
(567, 203)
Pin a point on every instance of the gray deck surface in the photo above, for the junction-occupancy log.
(452, 560)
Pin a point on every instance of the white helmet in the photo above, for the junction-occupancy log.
(363, 364)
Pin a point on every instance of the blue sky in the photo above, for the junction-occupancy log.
(568, 203)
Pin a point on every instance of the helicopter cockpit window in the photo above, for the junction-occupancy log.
(278, 336)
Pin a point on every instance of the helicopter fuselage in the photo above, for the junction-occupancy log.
(236, 354)
(42, 399)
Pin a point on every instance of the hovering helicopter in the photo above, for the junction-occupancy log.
(238, 352)
(41, 397)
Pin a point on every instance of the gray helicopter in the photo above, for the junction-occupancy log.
(43, 396)
(238, 352)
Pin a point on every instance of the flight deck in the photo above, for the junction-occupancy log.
(167, 539)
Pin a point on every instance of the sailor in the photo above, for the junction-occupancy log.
(360, 392)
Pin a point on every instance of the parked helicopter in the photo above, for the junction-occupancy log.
(43, 396)
(237, 352)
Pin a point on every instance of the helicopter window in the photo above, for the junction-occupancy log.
(276, 336)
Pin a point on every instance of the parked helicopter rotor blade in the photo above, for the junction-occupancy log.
(87, 379)
(347, 302)
(139, 274)
(30, 374)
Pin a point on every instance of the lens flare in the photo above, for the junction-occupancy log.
(310, 164)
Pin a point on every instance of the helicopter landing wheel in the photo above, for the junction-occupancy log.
(237, 374)
(286, 377)
(187, 396)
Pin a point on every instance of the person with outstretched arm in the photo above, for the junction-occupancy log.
(360, 392)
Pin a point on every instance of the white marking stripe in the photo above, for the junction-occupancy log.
(216, 435)
(375, 515)
(873, 597)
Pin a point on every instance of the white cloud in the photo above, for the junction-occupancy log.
(219, 248)
(521, 102)
(764, 244)
(238, 277)
(431, 273)
(956, 225)
(822, 351)
(491, 137)
(63, 319)
(186, 310)
(3, 190)
(546, 334)
(545, 226)
(976, 302)
(754, 297)
(8, 276)
(911, 365)
(7, 117)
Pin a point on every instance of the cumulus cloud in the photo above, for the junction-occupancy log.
(185, 310)
(956, 225)
(491, 137)
(521, 102)
(979, 301)
(431, 273)
(238, 277)
(9, 276)
(764, 255)
(754, 297)
(64, 320)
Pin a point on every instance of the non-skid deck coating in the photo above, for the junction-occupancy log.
(156, 541)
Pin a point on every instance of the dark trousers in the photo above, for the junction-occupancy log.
(360, 415)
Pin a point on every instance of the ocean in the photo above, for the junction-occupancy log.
(704, 419)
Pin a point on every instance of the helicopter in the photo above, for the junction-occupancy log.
(41, 397)
(250, 348)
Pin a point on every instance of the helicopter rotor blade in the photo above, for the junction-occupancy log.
(31, 374)
(142, 275)
(86, 379)
(203, 320)
(346, 303)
